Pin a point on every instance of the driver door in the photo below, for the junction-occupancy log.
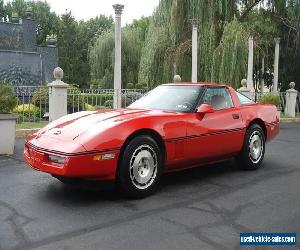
(217, 135)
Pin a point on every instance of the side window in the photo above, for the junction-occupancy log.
(219, 98)
(244, 100)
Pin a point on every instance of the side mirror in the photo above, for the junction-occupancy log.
(205, 108)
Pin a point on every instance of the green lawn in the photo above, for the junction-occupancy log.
(31, 125)
(284, 116)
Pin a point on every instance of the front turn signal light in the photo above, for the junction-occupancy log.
(103, 157)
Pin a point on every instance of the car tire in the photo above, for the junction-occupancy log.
(253, 151)
(140, 166)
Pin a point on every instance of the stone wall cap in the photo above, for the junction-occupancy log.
(8, 116)
(58, 84)
(292, 91)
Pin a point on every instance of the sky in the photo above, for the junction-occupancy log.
(86, 9)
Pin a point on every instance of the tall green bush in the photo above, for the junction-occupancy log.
(270, 99)
(8, 99)
(28, 112)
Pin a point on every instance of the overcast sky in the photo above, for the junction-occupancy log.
(86, 9)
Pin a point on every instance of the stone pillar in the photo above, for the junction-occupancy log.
(245, 91)
(117, 69)
(291, 96)
(58, 91)
(194, 49)
(250, 64)
(276, 64)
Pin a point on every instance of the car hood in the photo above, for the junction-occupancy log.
(72, 126)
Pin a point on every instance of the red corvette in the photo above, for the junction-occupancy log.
(173, 127)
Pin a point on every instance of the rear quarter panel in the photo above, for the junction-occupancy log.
(265, 112)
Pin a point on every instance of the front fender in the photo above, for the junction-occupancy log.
(115, 135)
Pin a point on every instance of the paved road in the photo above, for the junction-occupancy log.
(204, 208)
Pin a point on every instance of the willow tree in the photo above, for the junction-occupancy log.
(223, 28)
(168, 47)
(280, 18)
(230, 57)
(101, 54)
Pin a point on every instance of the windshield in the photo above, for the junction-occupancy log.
(180, 98)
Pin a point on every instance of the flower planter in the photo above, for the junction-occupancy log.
(51, 42)
(15, 19)
(28, 14)
(7, 133)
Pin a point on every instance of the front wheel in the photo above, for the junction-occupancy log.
(139, 167)
(253, 151)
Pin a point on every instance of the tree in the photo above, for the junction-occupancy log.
(2, 13)
(97, 26)
(101, 56)
(47, 21)
(167, 50)
(277, 19)
(69, 58)
(289, 29)
(79, 35)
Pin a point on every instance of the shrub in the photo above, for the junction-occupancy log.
(95, 84)
(8, 99)
(270, 99)
(131, 96)
(41, 97)
(75, 100)
(96, 99)
(89, 107)
(108, 103)
(100, 107)
(130, 85)
(28, 112)
(139, 86)
(145, 86)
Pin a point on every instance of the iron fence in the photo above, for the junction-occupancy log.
(93, 99)
(33, 101)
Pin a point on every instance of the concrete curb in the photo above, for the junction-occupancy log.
(22, 133)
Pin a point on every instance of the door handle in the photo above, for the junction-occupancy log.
(235, 116)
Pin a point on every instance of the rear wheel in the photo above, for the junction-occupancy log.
(139, 168)
(252, 154)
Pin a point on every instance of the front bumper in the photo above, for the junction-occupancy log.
(86, 165)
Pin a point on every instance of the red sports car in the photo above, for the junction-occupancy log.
(173, 127)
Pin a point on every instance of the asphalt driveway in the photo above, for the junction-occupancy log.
(204, 208)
